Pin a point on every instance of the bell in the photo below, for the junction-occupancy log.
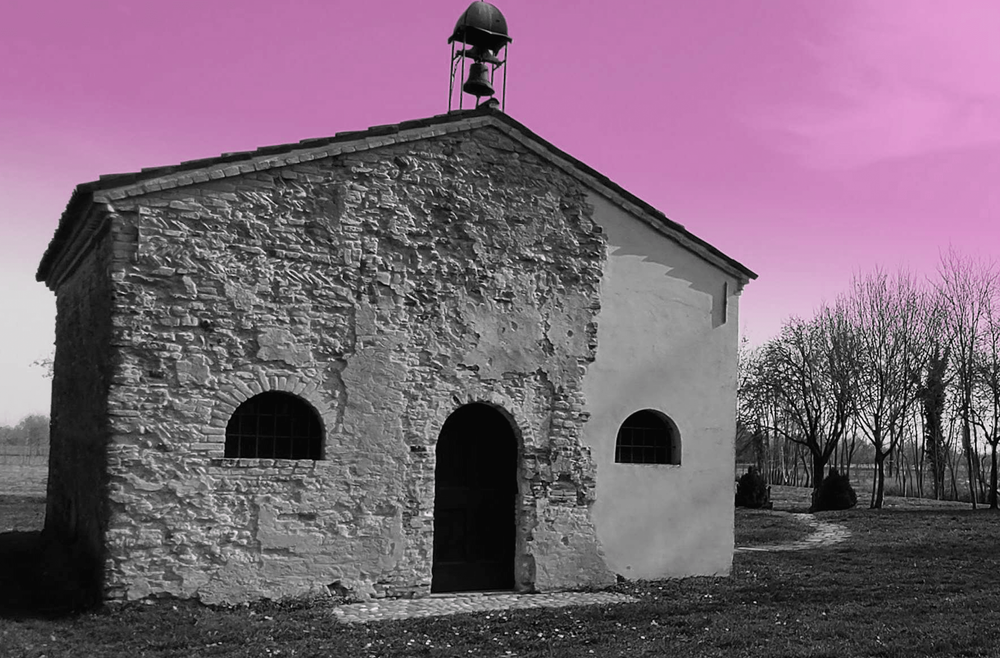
(478, 83)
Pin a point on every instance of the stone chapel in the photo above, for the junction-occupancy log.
(435, 356)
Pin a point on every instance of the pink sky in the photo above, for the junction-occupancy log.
(808, 140)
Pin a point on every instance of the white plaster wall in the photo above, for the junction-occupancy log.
(663, 344)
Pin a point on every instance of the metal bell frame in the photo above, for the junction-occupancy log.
(458, 60)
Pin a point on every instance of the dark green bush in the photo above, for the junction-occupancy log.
(752, 490)
(835, 492)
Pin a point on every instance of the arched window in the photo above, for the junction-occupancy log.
(274, 425)
(648, 437)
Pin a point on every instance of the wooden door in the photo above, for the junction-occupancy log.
(474, 494)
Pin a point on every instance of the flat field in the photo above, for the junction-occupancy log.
(23, 479)
(863, 475)
(911, 581)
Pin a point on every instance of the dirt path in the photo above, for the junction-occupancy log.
(824, 534)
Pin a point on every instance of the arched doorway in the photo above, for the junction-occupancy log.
(475, 487)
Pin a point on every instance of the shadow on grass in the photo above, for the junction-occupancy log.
(38, 580)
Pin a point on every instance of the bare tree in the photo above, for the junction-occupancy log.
(932, 393)
(27, 440)
(888, 319)
(46, 364)
(800, 386)
(986, 370)
(757, 415)
(965, 288)
(750, 437)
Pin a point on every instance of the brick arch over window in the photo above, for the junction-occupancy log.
(275, 425)
(648, 437)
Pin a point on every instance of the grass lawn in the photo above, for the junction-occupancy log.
(909, 582)
(21, 513)
(762, 527)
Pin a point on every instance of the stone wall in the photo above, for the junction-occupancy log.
(76, 510)
(387, 288)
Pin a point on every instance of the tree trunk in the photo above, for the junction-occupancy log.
(969, 459)
(819, 464)
(918, 457)
(993, 475)
(879, 492)
(805, 467)
(760, 452)
(850, 456)
(897, 458)
(783, 461)
(954, 478)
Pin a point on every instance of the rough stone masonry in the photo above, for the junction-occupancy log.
(386, 287)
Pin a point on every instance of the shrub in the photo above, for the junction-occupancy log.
(835, 492)
(752, 490)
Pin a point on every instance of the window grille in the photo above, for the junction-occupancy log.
(647, 437)
(274, 425)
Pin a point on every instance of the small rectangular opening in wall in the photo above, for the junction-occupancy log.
(725, 301)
